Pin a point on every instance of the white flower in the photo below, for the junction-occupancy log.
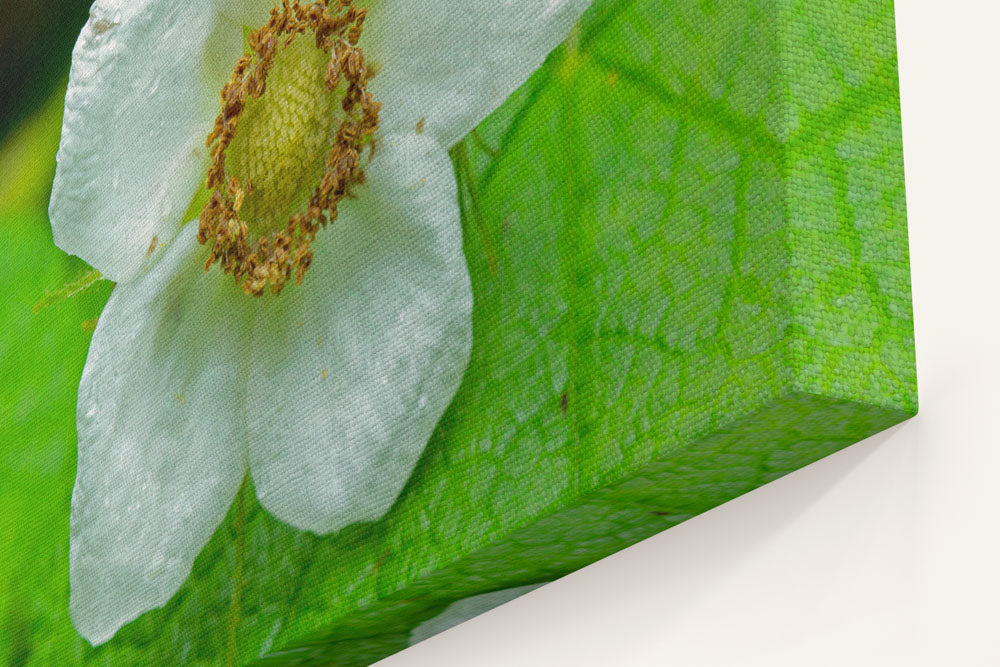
(326, 393)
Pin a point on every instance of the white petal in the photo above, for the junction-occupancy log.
(161, 436)
(353, 369)
(452, 62)
(467, 609)
(143, 95)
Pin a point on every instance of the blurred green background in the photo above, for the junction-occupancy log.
(43, 341)
(36, 42)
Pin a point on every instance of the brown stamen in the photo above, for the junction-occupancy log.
(272, 260)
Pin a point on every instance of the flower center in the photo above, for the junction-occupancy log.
(286, 147)
(280, 152)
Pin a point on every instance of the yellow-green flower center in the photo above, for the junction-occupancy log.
(280, 151)
(286, 147)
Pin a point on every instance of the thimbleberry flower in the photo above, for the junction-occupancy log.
(270, 189)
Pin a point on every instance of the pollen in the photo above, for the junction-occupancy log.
(288, 143)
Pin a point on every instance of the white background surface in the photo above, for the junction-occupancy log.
(887, 553)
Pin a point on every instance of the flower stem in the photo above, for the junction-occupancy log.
(485, 147)
(240, 535)
(461, 156)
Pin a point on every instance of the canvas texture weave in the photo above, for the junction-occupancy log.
(686, 235)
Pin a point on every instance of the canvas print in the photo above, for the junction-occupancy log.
(329, 325)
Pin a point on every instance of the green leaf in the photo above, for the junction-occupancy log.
(686, 234)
